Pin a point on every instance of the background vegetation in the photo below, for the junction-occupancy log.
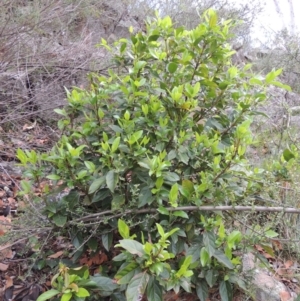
(158, 125)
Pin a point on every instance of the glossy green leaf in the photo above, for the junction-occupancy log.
(154, 290)
(66, 297)
(115, 144)
(129, 268)
(132, 246)
(173, 195)
(209, 243)
(211, 277)
(112, 180)
(107, 239)
(48, 295)
(288, 155)
(187, 188)
(222, 258)
(172, 67)
(82, 292)
(96, 184)
(123, 229)
(163, 210)
(93, 243)
(202, 291)
(104, 283)
(225, 290)
(90, 166)
(53, 177)
(204, 257)
(137, 287)
(59, 219)
(180, 213)
(271, 233)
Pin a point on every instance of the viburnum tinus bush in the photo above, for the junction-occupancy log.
(163, 133)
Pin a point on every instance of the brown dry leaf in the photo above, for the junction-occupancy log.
(285, 296)
(56, 255)
(276, 244)
(83, 260)
(281, 271)
(98, 258)
(3, 267)
(4, 223)
(170, 296)
(6, 252)
(9, 281)
(259, 248)
(267, 255)
(21, 205)
(288, 264)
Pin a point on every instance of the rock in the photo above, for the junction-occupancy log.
(264, 287)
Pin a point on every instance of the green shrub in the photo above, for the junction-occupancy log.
(164, 133)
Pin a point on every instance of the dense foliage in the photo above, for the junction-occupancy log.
(144, 148)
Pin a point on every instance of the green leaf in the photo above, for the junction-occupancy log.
(107, 240)
(153, 37)
(154, 290)
(281, 85)
(66, 297)
(132, 246)
(160, 230)
(211, 277)
(123, 229)
(137, 286)
(92, 243)
(268, 249)
(82, 292)
(60, 112)
(59, 219)
(53, 177)
(136, 136)
(22, 156)
(181, 213)
(90, 166)
(288, 155)
(194, 251)
(209, 243)
(26, 186)
(204, 257)
(202, 290)
(213, 18)
(104, 283)
(48, 295)
(173, 195)
(115, 144)
(222, 258)
(172, 67)
(145, 197)
(234, 237)
(171, 176)
(225, 290)
(187, 188)
(112, 180)
(97, 184)
(126, 273)
(140, 64)
(118, 201)
(255, 81)
(163, 210)
(272, 75)
(271, 234)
